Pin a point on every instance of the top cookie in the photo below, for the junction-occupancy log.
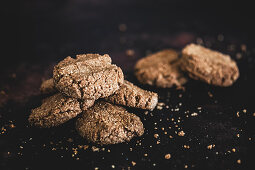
(160, 69)
(89, 76)
(209, 66)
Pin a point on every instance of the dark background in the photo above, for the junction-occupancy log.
(38, 34)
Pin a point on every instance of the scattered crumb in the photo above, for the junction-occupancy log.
(186, 146)
(181, 133)
(113, 166)
(194, 114)
(70, 140)
(130, 52)
(167, 156)
(210, 94)
(145, 154)
(237, 114)
(239, 161)
(122, 27)
(233, 150)
(133, 163)
(243, 47)
(244, 110)
(238, 56)
(94, 149)
(220, 37)
(210, 146)
(186, 166)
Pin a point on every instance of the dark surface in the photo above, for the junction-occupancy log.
(38, 34)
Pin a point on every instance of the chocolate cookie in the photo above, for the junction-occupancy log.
(88, 76)
(133, 96)
(48, 87)
(209, 66)
(105, 123)
(56, 110)
(160, 69)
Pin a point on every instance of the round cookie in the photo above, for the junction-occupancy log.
(160, 69)
(209, 66)
(90, 76)
(105, 124)
(56, 110)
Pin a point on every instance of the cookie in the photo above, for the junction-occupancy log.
(48, 87)
(105, 124)
(209, 66)
(133, 96)
(160, 69)
(88, 76)
(56, 110)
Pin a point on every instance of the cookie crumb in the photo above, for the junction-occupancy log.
(210, 146)
(181, 133)
(194, 114)
(233, 150)
(167, 156)
(122, 27)
(133, 163)
(239, 161)
(130, 52)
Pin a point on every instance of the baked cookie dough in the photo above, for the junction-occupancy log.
(209, 66)
(48, 87)
(105, 124)
(56, 110)
(160, 69)
(133, 96)
(89, 76)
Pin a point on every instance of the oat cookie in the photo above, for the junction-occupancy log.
(160, 69)
(209, 66)
(48, 87)
(105, 123)
(132, 96)
(56, 110)
(88, 76)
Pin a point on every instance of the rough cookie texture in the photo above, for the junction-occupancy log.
(209, 66)
(160, 69)
(56, 110)
(88, 76)
(105, 123)
(48, 87)
(133, 96)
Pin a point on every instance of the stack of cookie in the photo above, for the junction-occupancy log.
(93, 86)
(166, 69)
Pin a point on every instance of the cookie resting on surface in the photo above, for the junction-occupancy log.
(105, 123)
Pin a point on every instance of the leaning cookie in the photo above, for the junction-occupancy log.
(160, 69)
(209, 66)
(133, 96)
(88, 76)
(56, 110)
(105, 124)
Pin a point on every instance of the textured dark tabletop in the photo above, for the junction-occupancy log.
(200, 127)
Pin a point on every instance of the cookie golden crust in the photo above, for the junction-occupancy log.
(209, 66)
(48, 87)
(105, 124)
(160, 69)
(56, 110)
(87, 77)
(133, 96)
